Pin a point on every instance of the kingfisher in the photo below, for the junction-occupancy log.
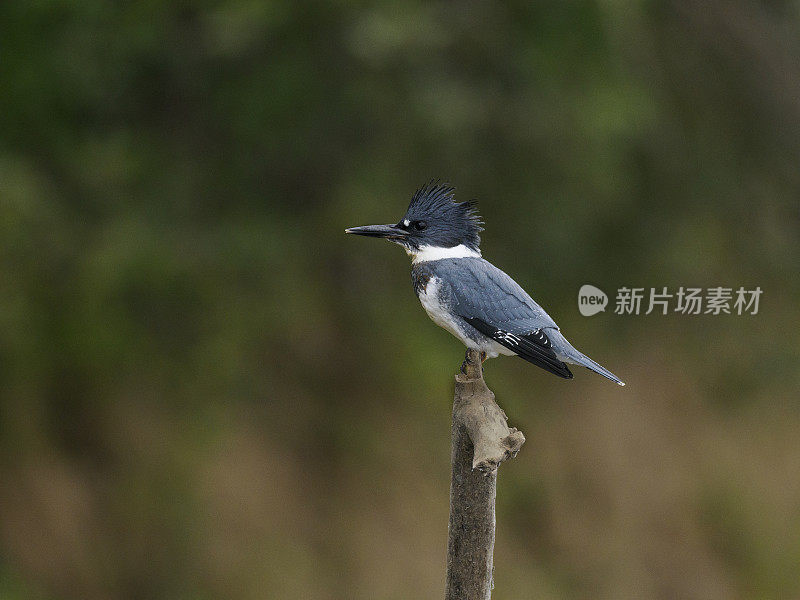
(467, 295)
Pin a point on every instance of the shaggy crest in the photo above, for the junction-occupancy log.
(451, 223)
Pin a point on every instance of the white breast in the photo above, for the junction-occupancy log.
(442, 317)
(436, 311)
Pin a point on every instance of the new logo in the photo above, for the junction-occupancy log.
(591, 300)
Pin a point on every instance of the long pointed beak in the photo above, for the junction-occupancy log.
(389, 232)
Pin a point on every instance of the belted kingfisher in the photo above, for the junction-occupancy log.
(467, 295)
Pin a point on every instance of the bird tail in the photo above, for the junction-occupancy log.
(597, 368)
(568, 353)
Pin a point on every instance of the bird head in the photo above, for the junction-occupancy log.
(434, 220)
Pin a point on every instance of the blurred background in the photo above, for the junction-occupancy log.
(209, 391)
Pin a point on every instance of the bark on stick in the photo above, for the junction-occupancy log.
(481, 439)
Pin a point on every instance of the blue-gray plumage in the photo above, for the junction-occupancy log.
(467, 295)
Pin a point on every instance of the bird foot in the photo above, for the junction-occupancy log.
(471, 368)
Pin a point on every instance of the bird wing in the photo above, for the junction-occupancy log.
(494, 304)
(479, 289)
(535, 347)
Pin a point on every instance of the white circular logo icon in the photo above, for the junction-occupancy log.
(591, 300)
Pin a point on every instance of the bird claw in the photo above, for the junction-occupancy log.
(465, 363)
(469, 367)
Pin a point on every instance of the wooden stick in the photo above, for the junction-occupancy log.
(481, 440)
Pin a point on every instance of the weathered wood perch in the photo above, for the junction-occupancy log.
(481, 439)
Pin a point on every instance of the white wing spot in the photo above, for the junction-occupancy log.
(507, 337)
(406, 222)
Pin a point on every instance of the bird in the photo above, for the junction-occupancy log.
(467, 295)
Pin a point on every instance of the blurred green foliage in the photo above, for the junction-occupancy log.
(209, 391)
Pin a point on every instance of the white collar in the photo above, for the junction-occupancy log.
(428, 253)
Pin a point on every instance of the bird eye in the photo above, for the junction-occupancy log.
(420, 225)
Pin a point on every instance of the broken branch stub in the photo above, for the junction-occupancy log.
(475, 409)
